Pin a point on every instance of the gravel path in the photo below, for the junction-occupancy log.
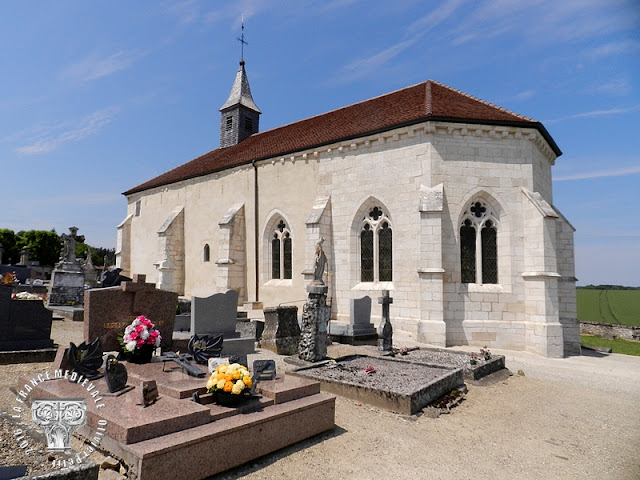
(570, 418)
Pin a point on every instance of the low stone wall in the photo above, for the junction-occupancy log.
(608, 330)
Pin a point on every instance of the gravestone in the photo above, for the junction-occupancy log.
(359, 330)
(109, 310)
(67, 278)
(281, 330)
(215, 314)
(24, 324)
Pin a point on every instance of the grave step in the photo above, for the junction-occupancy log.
(288, 388)
(196, 453)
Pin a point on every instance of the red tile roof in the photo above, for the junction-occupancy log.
(425, 101)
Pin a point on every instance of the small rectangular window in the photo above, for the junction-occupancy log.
(138, 205)
(229, 123)
(248, 124)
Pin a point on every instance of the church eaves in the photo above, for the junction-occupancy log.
(426, 101)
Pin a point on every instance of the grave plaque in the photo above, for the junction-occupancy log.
(108, 311)
(214, 362)
(264, 370)
(203, 347)
(148, 392)
(115, 373)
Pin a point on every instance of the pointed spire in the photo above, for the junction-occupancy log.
(240, 92)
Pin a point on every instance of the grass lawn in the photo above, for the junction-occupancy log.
(617, 346)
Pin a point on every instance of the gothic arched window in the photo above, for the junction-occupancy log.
(478, 245)
(281, 255)
(376, 247)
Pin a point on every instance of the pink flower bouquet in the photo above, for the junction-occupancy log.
(141, 332)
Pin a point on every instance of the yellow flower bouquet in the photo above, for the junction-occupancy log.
(230, 383)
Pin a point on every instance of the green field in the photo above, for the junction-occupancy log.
(616, 346)
(609, 306)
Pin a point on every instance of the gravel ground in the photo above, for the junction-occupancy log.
(570, 418)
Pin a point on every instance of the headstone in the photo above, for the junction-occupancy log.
(359, 330)
(281, 330)
(215, 314)
(203, 347)
(115, 373)
(90, 273)
(86, 358)
(109, 310)
(67, 278)
(315, 315)
(385, 331)
(24, 324)
(148, 392)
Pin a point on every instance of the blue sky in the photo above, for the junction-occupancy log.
(97, 97)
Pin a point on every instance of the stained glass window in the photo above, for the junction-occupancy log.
(275, 256)
(479, 245)
(376, 247)
(489, 254)
(281, 252)
(468, 252)
(366, 254)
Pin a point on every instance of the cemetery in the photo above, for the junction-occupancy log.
(161, 386)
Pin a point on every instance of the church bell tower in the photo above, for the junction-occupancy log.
(240, 116)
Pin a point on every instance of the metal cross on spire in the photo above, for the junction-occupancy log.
(242, 41)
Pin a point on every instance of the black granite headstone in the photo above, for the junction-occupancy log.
(115, 373)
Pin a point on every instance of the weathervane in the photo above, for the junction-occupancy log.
(242, 41)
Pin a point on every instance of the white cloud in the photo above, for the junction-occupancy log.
(526, 95)
(49, 138)
(614, 48)
(598, 113)
(618, 172)
(94, 67)
(619, 86)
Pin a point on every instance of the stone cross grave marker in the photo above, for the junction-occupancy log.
(108, 311)
(385, 332)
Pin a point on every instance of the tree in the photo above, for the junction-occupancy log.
(43, 246)
(10, 253)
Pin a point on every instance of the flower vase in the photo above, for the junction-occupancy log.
(228, 399)
(141, 355)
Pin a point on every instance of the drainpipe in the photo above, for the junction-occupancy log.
(255, 229)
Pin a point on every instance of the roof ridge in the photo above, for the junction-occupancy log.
(484, 102)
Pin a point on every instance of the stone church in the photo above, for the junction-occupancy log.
(441, 198)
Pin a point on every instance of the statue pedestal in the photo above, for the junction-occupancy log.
(315, 317)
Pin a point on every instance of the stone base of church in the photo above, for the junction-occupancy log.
(433, 332)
